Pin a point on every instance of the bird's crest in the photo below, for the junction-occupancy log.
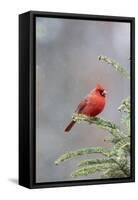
(99, 87)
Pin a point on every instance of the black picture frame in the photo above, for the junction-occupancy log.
(27, 100)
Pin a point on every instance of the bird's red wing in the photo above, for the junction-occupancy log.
(81, 106)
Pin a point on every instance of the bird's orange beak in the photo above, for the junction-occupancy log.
(104, 93)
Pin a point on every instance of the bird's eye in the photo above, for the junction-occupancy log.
(101, 92)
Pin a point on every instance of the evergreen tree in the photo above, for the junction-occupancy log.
(115, 162)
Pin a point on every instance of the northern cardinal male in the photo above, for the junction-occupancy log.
(91, 105)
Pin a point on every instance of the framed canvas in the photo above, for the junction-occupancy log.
(76, 99)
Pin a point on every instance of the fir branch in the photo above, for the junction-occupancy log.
(95, 161)
(87, 170)
(114, 172)
(88, 167)
(120, 157)
(116, 65)
(122, 165)
(125, 105)
(124, 144)
(81, 152)
(125, 109)
(101, 123)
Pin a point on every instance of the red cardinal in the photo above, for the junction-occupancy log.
(91, 105)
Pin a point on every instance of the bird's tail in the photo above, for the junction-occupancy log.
(71, 124)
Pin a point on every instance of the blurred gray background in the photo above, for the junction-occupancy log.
(67, 69)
